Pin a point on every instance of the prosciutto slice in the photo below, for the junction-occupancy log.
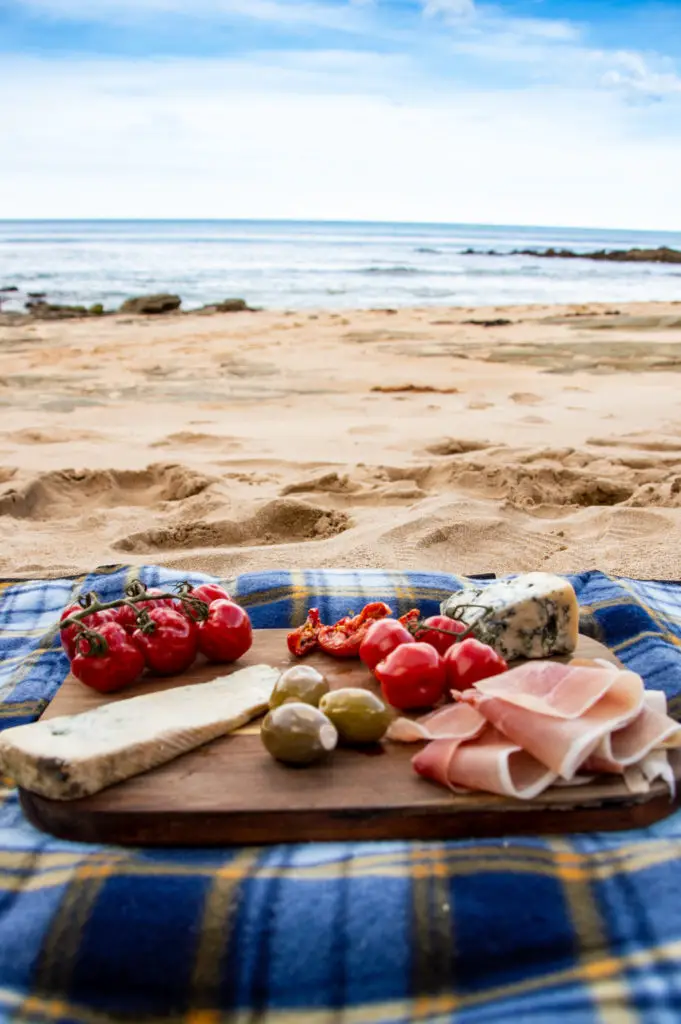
(551, 688)
(546, 724)
(455, 722)
(640, 777)
(559, 713)
(651, 729)
(492, 763)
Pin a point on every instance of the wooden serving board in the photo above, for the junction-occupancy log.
(232, 791)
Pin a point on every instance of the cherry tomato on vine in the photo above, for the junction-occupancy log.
(441, 641)
(171, 646)
(210, 592)
(226, 634)
(163, 602)
(469, 662)
(70, 633)
(381, 638)
(126, 617)
(412, 676)
(119, 666)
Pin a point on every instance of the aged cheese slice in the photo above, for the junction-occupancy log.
(531, 616)
(76, 755)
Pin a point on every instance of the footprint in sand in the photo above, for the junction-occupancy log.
(281, 521)
(525, 398)
(456, 446)
(328, 483)
(68, 492)
(188, 437)
(480, 405)
(534, 419)
(52, 436)
(643, 441)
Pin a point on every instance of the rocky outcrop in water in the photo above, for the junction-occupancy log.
(50, 311)
(663, 254)
(38, 307)
(227, 306)
(151, 304)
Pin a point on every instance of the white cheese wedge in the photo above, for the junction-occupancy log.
(533, 616)
(73, 756)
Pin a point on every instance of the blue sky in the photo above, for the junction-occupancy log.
(523, 111)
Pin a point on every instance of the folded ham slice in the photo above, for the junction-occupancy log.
(651, 729)
(560, 713)
(454, 722)
(655, 765)
(546, 724)
(551, 688)
(491, 763)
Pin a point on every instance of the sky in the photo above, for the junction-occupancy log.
(542, 112)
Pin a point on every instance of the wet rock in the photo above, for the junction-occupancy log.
(151, 304)
(49, 311)
(489, 323)
(227, 306)
(663, 254)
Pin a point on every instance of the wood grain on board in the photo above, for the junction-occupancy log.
(232, 791)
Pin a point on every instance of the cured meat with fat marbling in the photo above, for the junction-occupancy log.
(543, 724)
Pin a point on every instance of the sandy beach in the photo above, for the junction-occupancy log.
(466, 440)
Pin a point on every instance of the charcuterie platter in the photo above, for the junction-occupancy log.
(230, 790)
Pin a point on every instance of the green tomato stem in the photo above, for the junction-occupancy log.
(420, 626)
(136, 593)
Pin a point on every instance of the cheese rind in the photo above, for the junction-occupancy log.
(74, 756)
(532, 616)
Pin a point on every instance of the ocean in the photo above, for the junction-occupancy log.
(294, 265)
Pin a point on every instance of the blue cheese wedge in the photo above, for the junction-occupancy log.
(532, 616)
(74, 756)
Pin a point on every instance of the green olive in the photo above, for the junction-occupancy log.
(298, 733)
(302, 684)
(359, 715)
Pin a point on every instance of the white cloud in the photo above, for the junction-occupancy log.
(630, 72)
(537, 28)
(343, 133)
(225, 139)
(449, 8)
(553, 52)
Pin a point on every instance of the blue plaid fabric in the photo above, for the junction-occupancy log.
(588, 927)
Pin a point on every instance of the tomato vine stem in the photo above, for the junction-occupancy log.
(135, 594)
(416, 626)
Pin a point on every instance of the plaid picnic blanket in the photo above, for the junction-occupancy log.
(588, 927)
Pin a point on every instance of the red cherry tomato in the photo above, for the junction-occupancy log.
(226, 634)
(126, 617)
(469, 662)
(120, 666)
(210, 592)
(164, 602)
(69, 635)
(412, 676)
(173, 644)
(440, 641)
(382, 638)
